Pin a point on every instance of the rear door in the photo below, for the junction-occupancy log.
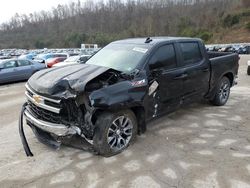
(165, 90)
(196, 71)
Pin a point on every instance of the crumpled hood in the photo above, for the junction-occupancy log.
(60, 80)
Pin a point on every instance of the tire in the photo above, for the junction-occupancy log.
(110, 138)
(222, 92)
(248, 70)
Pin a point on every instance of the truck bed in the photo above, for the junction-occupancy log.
(222, 63)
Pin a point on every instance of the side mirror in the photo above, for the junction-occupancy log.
(1, 68)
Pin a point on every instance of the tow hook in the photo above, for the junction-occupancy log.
(21, 133)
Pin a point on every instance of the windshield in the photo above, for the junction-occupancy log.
(121, 57)
(72, 58)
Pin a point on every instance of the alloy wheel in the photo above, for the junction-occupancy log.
(120, 133)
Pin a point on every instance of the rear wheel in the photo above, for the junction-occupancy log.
(114, 132)
(222, 92)
(248, 70)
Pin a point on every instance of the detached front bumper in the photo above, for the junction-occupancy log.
(50, 134)
(48, 120)
(56, 129)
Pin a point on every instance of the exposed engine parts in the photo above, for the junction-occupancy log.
(106, 79)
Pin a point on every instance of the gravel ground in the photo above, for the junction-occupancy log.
(198, 146)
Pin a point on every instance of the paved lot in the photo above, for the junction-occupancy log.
(199, 146)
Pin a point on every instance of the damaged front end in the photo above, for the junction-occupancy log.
(62, 112)
(53, 122)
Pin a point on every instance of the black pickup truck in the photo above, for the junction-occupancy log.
(102, 105)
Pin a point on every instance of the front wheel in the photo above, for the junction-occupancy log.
(222, 92)
(114, 132)
(248, 70)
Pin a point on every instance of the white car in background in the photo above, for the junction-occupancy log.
(80, 59)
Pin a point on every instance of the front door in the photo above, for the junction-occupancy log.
(165, 87)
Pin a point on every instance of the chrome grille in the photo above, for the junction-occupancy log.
(46, 103)
(51, 110)
(45, 115)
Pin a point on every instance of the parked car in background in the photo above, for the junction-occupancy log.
(240, 49)
(73, 60)
(17, 69)
(247, 47)
(43, 58)
(235, 48)
(27, 56)
(52, 61)
(4, 57)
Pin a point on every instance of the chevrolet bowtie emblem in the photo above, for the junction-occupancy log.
(37, 98)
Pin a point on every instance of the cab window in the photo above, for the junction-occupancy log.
(164, 57)
(190, 52)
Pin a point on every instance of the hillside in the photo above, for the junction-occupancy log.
(236, 32)
(215, 21)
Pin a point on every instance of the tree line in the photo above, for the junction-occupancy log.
(101, 22)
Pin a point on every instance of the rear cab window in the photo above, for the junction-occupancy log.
(191, 53)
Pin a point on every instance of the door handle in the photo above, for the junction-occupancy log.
(182, 76)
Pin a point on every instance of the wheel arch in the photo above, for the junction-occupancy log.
(139, 112)
(230, 76)
(212, 91)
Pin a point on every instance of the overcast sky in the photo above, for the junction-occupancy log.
(8, 8)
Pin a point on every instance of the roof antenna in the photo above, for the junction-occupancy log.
(148, 40)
